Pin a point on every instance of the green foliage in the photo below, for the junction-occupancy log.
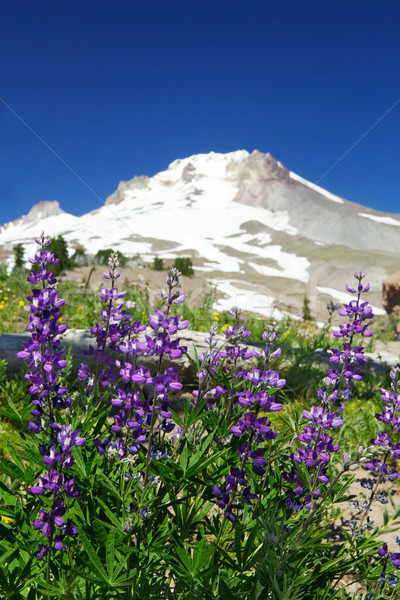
(18, 256)
(158, 264)
(306, 309)
(13, 291)
(184, 265)
(168, 540)
(59, 248)
(102, 256)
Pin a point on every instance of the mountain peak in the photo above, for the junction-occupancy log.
(243, 217)
(43, 210)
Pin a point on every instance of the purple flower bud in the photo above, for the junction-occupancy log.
(383, 550)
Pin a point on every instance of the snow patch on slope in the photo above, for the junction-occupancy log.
(345, 297)
(246, 299)
(384, 220)
(316, 188)
(194, 215)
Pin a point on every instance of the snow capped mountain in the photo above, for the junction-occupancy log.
(243, 218)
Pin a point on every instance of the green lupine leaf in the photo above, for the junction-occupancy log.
(184, 456)
(201, 464)
(110, 553)
(47, 589)
(11, 469)
(177, 418)
(109, 484)
(3, 582)
(12, 412)
(79, 462)
(15, 456)
(93, 557)
(6, 496)
(109, 513)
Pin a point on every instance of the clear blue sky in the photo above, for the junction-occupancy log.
(123, 88)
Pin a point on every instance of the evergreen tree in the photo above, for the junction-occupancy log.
(306, 309)
(158, 264)
(102, 256)
(19, 256)
(184, 265)
(60, 249)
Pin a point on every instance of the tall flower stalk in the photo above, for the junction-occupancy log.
(50, 398)
(317, 443)
(256, 396)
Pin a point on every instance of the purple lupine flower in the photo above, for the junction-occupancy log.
(251, 428)
(134, 414)
(48, 395)
(317, 445)
(383, 550)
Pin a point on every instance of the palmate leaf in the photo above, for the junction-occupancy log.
(93, 557)
(202, 553)
(109, 484)
(109, 513)
(5, 495)
(193, 511)
(176, 417)
(170, 472)
(15, 456)
(47, 589)
(184, 456)
(79, 462)
(194, 361)
(201, 464)
(4, 586)
(11, 412)
(4, 556)
(11, 469)
(225, 589)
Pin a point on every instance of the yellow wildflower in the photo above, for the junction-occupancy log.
(6, 519)
(21, 303)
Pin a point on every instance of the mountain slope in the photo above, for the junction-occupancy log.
(245, 219)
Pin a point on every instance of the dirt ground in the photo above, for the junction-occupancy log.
(349, 513)
(194, 287)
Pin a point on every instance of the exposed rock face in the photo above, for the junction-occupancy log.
(316, 214)
(40, 211)
(391, 293)
(140, 182)
(43, 210)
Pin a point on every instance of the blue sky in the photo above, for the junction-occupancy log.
(123, 88)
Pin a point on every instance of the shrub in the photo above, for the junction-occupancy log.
(158, 264)
(306, 309)
(184, 265)
(18, 256)
(102, 257)
(60, 249)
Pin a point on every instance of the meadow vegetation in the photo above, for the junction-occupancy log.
(117, 481)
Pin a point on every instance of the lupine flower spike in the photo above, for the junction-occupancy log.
(49, 397)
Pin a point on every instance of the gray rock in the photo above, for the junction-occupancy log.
(80, 339)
